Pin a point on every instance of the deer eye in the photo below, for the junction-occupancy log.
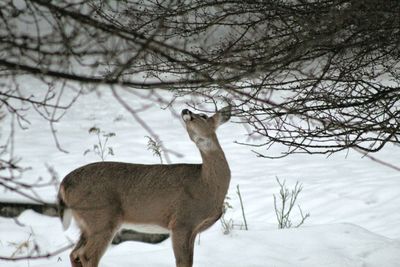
(204, 116)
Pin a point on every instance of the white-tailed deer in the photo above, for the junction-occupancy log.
(181, 199)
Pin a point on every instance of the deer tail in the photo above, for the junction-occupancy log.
(64, 212)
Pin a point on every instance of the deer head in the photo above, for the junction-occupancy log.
(201, 128)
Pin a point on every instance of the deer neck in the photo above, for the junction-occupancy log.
(215, 169)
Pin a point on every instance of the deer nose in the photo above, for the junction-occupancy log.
(186, 115)
(186, 112)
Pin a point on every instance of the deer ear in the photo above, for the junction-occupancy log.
(223, 115)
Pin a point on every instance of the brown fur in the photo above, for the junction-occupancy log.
(185, 199)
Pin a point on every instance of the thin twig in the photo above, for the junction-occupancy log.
(43, 256)
(241, 206)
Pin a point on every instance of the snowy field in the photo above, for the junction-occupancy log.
(353, 202)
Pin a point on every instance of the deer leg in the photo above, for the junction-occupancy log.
(95, 247)
(74, 255)
(183, 245)
(94, 240)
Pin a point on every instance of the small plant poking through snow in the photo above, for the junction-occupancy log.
(101, 149)
(29, 247)
(155, 147)
(287, 200)
(228, 224)
(242, 207)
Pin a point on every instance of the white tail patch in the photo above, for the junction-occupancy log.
(66, 219)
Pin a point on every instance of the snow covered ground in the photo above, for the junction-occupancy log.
(354, 202)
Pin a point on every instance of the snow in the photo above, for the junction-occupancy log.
(353, 201)
(319, 245)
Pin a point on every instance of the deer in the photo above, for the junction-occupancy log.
(180, 199)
